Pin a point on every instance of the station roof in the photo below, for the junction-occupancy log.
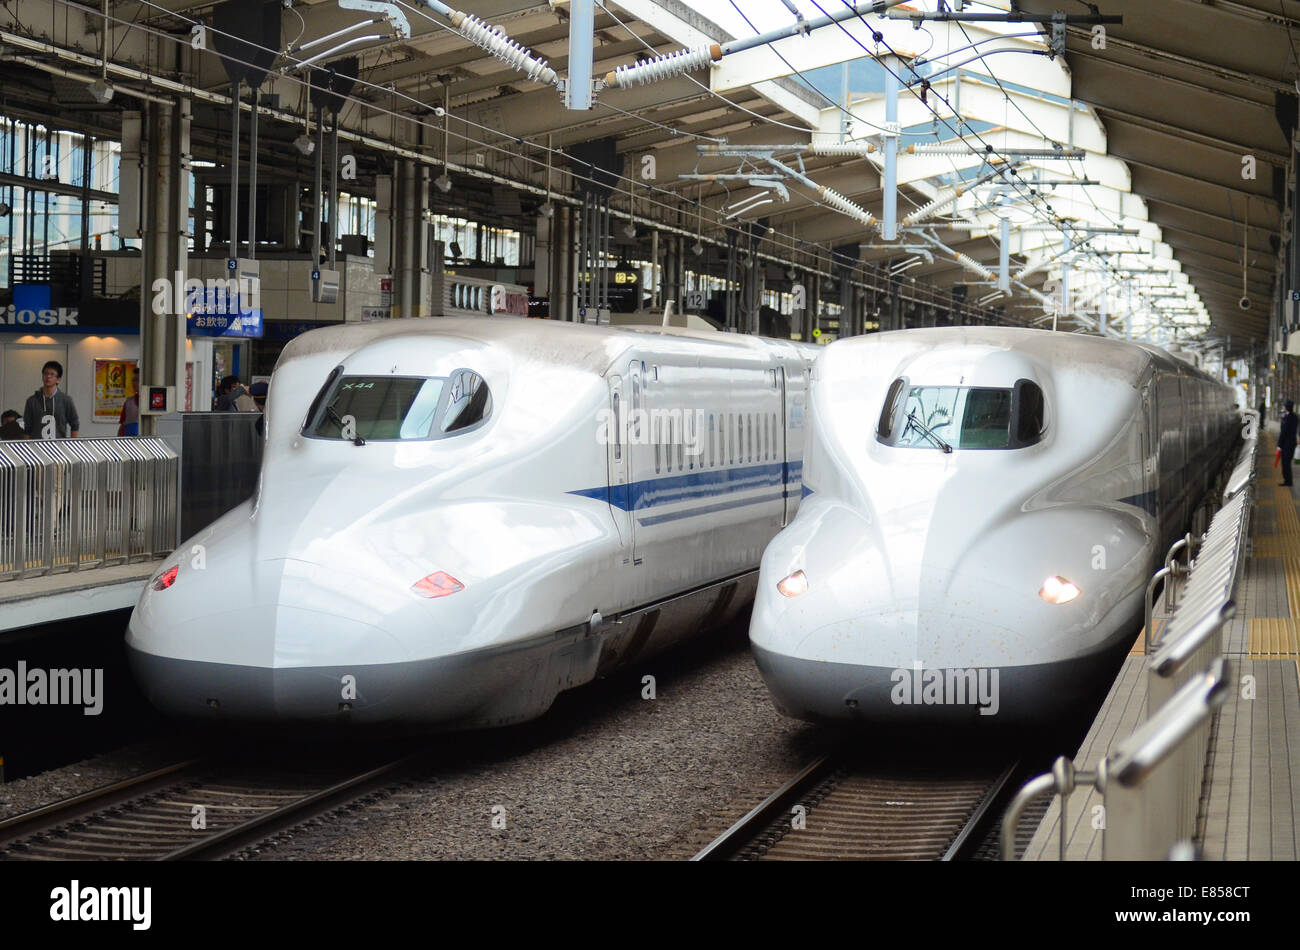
(1165, 111)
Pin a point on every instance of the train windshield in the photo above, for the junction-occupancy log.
(961, 417)
(398, 408)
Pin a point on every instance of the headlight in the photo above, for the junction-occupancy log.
(793, 585)
(167, 578)
(1057, 590)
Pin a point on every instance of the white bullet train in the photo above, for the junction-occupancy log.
(456, 519)
(983, 510)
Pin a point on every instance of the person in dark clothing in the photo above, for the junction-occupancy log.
(234, 397)
(49, 413)
(1286, 441)
(9, 427)
(1262, 409)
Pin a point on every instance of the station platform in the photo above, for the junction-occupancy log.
(1250, 801)
(72, 594)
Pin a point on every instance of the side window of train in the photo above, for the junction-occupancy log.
(314, 409)
(1030, 413)
(681, 443)
(712, 455)
(733, 427)
(635, 378)
(618, 430)
(891, 411)
(654, 437)
(469, 401)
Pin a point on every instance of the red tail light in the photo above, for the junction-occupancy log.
(437, 584)
(167, 578)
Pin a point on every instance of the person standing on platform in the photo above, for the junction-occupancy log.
(49, 413)
(234, 397)
(10, 430)
(1286, 441)
(128, 420)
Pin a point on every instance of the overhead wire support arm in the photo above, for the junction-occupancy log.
(399, 28)
(948, 16)
(494, 41)
(684, 61)
(829, 196)
(940, 202)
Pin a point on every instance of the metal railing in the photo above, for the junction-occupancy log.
(1151, 782)
(77, 504)
(1153, 778)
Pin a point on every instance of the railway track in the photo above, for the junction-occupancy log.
(837, 808)
(193, 810)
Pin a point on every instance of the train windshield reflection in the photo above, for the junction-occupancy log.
(380, 408)
(963, 417)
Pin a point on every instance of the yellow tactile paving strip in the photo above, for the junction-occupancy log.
(1288, 523)
(1278, 637)
(1267, 545)
(1274, 637)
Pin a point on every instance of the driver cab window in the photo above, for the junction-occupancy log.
(397, 408)
(961, 417)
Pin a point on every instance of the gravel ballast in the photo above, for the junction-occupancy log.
(606, 774)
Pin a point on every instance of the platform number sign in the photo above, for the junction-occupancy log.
(694, 300)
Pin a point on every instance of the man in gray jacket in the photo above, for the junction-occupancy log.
(50, 413)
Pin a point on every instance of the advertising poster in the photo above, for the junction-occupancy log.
(114, 381)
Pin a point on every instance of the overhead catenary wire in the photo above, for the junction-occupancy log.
(1063, 226)
(1011, 100)
(670, 210)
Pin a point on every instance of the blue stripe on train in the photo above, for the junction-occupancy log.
(710, 509)
(697, 486)
(1146, 501)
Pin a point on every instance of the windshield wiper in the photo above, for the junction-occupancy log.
(334, 417)
(913, 421)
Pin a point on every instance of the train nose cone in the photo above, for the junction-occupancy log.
(904, 629)
(308, 647)
(291, 675)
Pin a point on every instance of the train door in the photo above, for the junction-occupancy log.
(784, 436)
(620, 490)
(638, 456)
(795, 395)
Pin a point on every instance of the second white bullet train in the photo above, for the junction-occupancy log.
(985, 509)
(457, 519)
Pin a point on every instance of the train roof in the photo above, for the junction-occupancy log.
(553, 342)
(1124, 357)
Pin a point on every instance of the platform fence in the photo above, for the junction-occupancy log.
(1152, 781)
(79, 504)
